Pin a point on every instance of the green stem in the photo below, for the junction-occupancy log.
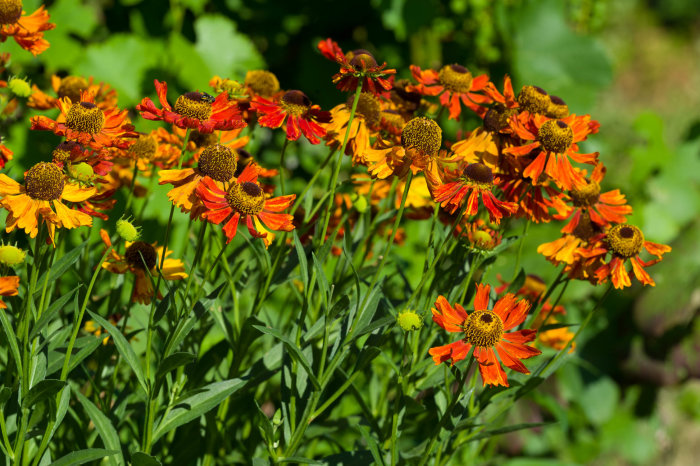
(336, 172)
(311, 182)
(473, 265)
(130, 197)
(397, 402)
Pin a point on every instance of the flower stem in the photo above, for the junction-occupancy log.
(336, 172)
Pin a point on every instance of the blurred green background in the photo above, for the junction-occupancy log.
(632, 393)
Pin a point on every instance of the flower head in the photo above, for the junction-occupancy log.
(244, 202)
(9, 286)
(486, 330)
(295, 108)
(355, 67)
(194, 110)
(28, 31)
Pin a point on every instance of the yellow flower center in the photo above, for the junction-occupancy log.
(231, 87)
(141, 255)
(10, 11)
(496, 118)
(11, 255)
(194, 105)
(409, 320)
(533, 99)
(71, 87)
(295, 103)
(483, 328)
(455, 78)
(368, 106)
(625, 240)
(63, 152)
(218, 162)
(262, 82)
(423, 134)
(202, 139)
(557, 108)
(480, 174)
(85, 117)
(482, 240)
(246, 198)
(555, 136)
(82, 172)
(44, 181)
(586, 196)
(144, 147)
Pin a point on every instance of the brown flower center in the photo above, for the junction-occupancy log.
(85, 117)
(10, 11)
(295, 103)
(144, 147)
(496, 118)
(585, 228)
(533, 99)
(368, 106)
(202, 139)
(247, 198)
(44, 181)
(218, 162)
(586, 196)
(479, 173)
(483, 328)
(72, 87)
(423, 134)
(262, 82)
(141, 255)
(555, 136)
(63, 153)
(455, 78)
(557, 108)
(625, 240)
(361, 60)
(194, 105)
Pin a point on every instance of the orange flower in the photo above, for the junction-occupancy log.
(484, 329)
(72, 87)
(355, 66)
(556, 141)
(454, 84)
(626, 242)
(28, 31)
(40, 200)
(245, 202)
(8, 287)
(294, 107)
(5, 154)
(602, 209)
(85, 123)
(477, 181)
(368, 117)
(195, 110)
(138, 258)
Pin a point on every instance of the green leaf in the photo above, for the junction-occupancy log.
(41, 391)
(174, 361)
(11, 339)
(142, 459)
(507, 429)
(194, 405)
(371, 443)
(61, 411)
(294, 351)
(236, 58)
(303, 265)
(600, 400)
(5, 394)
(322, 281)
(61, 266)
(124, 348)
(83, 456)
(104, 427)
(51, 312)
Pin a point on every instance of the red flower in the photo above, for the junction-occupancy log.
(454, 84)
(355, 66)
(484, 330)
(245, 202)
(195, 110)
(294, 107)
(28, 31)
(476, 181)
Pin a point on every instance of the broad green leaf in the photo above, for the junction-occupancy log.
(5, 394)
(600, 400)
(124, 348)
(83, 456)
(294, 351)
(61, 411)
(192, 406)
(104, 427)
(142, 459)
(51, 312)
(174, 361)
(41, 391)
